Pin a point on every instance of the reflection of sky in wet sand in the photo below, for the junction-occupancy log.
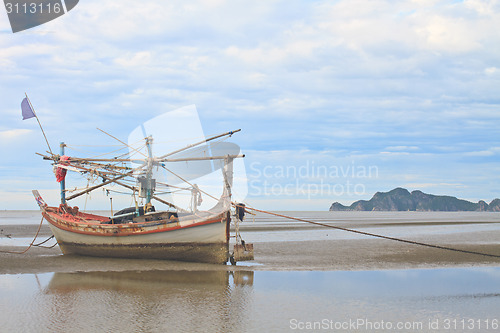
(11, 241)
(125, 301)
(467, 227)
(145, 301)
(241, 301)
(407, 232)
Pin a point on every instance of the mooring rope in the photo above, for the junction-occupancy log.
(372, 234)
(29, 247)
(45, 241)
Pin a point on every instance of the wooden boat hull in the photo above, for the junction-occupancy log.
(200, 240)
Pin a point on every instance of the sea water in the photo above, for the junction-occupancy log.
(434, 300)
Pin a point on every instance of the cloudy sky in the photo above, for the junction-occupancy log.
(336, 99)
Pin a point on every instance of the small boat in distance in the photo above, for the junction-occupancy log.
(144, 231)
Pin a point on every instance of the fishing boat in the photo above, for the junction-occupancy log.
(145, 230)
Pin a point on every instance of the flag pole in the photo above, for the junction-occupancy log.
(43, 132)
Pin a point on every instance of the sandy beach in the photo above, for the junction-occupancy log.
(337, 254)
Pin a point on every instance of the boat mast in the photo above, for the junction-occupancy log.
(149, 172)
(63, 182)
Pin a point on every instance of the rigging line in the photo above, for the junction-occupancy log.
(162, 193)
(372, 234)
(29, 247)
(199, 189)
(171, 191)
(78, 150)
(138, 141)
(96, 145)
(130, 147)
(134, 189)
(136, 150)
(95, 156)
(75, 189)
(190, 139)
(117, 192)
(181, 141)
(182, 193)
(131, 154)
(173, 186)
(137, 147)
(110, 180)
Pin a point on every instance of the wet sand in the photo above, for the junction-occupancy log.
(336, 254)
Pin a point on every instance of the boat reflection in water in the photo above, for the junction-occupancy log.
(149, 300)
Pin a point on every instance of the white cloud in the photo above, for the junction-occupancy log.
(13, 134)
(395, 153)
(402, 148)
(449, 35)
(484, 7)
(484, 153)
(491, 70)
(134, 60)
(271, 54)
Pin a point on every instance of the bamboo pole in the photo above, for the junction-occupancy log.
(161, 159)
(199, 143)
(208, 158)
(79, 159)
(100, 185)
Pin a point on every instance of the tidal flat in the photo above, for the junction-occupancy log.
(304, 277)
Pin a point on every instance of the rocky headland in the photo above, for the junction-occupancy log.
(401, 199)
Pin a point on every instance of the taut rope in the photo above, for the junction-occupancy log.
(372, 234)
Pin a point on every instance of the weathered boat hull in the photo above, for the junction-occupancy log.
(202, 240)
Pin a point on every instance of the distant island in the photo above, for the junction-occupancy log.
(401, 199)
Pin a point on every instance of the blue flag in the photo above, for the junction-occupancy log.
(27, 110)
